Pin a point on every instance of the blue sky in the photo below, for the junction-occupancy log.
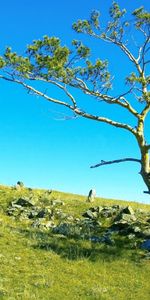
(37, 146)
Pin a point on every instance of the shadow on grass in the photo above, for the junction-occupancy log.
(73, 248)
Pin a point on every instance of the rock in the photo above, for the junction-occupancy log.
(95, 239)
(56, 202)
(67, 229)
(47, 224)
(62, 229)
(41, 213)
(128, 218)
(136, 229)
(91, 195)
(146, 233)
(123, 218)
(36, 223)
(108, 211)
(60, 215)
(128, 210)
(116, 206)
(131, 236)
(12, 212)
(107, 240)
(32, 214)
(26, 202)
(89, 214)
(104, 239)
(45, 212)
(42, 223)
(146, 245)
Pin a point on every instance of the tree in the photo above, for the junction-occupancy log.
(47, 61)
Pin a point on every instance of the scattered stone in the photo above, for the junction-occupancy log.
(95, 239)
(26, 202)
(146, 245)
(131, 236)
(146, 233)
(67, 229)
(128, 218)
(91, 195)
(128, 210)
(99, 224)
(56, 202)
(108, 212)
(104, 239)
(136, 229)
(61, 215)
(91, 215)
(42, 223)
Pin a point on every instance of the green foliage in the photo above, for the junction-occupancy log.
(20, 64)
(97, 74)
(47, 59)
(2, 62)
(115, 28)
(142, 17)
(81, 50)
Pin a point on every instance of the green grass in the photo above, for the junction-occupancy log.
(36, 264)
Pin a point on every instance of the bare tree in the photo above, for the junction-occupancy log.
(48, 62)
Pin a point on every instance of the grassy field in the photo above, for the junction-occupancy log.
(36, 264)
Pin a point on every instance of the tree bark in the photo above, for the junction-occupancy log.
(145, 168)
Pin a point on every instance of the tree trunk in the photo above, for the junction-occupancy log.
(145, 168)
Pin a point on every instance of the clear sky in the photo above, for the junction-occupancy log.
(36, 145)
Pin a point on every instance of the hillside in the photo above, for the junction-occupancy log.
(56, 246)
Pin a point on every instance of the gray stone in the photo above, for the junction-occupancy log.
(91, 195)
(67, 229)
(104, 239)
(131, 236)
(26, 202)
(123, 218)
(95, 239)
(47, 224)
(136, 229)
(146, 233)
(45, 212)
(56, 202)
(128, 210)
(146, 245)
(89, 214)
(60, 215)
(32, 214)
(41, 213)
(128, 218)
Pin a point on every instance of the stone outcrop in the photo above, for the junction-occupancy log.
(99, 224)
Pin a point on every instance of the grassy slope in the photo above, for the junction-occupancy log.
(65, 268)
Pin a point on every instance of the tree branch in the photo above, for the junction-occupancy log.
(62, 87)
(122, 47)
(37, 92)
(73, 108)
(103, 162)
(106, 98)
(105, 120)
